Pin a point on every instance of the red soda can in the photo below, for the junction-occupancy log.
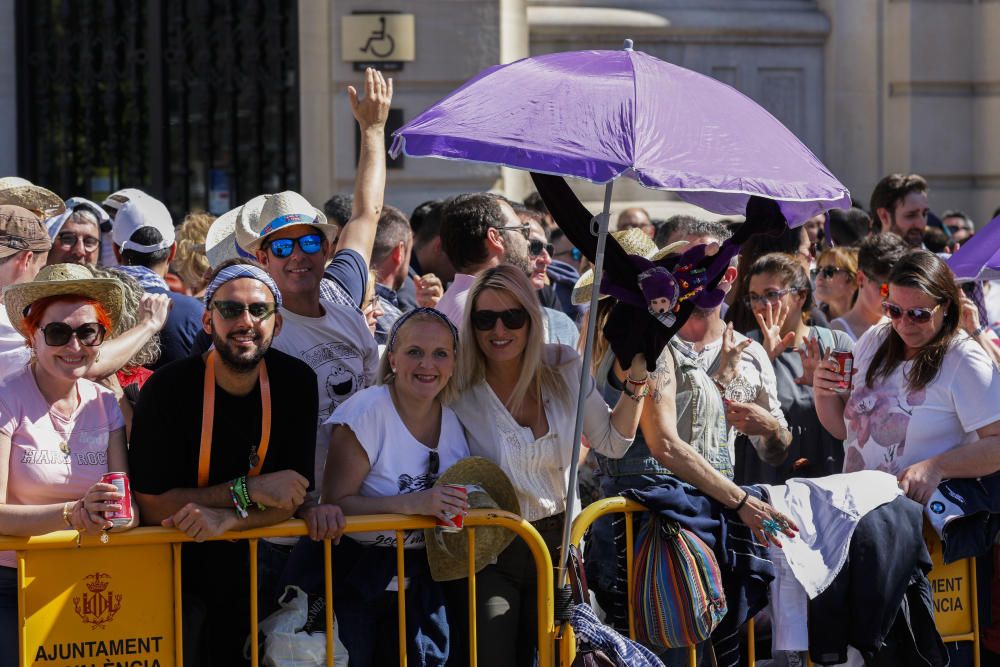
(845, 365)
(452, 523)
(119, 480)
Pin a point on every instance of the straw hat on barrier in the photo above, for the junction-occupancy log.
(488, 488)
(633, 241)
(24, 193)
(64, 279)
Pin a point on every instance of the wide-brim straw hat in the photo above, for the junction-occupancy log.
(221, 243)
(59, 279)
(633, 241)
(24, 193)
(447, 553)
(279, 211)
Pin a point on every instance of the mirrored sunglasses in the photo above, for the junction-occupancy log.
(229, 310)
(915, 315)
(310, 244)
(58, 334)
(484, 320)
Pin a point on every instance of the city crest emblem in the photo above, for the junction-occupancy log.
(99, 604)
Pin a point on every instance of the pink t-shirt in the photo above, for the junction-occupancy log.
(39, 472)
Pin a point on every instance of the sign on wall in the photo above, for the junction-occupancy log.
(384, 40)
(84, 607)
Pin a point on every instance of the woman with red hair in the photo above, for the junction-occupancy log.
(59, 432)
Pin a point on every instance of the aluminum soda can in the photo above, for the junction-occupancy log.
(845, 365)
(119, 480)
(452, 523)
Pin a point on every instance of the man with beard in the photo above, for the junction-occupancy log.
(479, 231)
(236, 458)
(899, 204)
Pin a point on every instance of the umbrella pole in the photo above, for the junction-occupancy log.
(601, 230)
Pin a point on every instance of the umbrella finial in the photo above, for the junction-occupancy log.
(627, 45)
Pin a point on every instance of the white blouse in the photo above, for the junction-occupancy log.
(539, 468)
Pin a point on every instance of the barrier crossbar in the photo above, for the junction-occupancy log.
(70, 541)
(615, 505)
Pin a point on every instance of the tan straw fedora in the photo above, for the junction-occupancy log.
(634, 241)
(24, 193)
(488, 488)
(64, 279)
(278, 211)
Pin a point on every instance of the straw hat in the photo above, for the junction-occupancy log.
(24, 193)
(221, 242)
(488, 487)
(64, 279)
(633, 241)
(278, 211)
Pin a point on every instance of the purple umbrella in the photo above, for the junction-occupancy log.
(979, 257)
(598, 115)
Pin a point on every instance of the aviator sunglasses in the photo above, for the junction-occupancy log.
(58, 334)
(310, 244)
(229, 310)
(484, 320)
(915, 315)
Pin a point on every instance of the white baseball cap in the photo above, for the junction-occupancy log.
(135, 214)
(115, 200)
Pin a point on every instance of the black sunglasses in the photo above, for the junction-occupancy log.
(310, 244)
(433, 463)
(829, 272)
(229, 310)
(58, 334)
(536, 246)
(484, 320)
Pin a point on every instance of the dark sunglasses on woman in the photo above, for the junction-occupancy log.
(829, 272)
(915, 315)
(310, 244)
(229, 310)
(58, 334)
(484, 320)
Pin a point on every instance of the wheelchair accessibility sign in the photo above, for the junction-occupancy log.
(377, 39)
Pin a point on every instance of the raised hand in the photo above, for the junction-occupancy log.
(372, 110)
(811, 357)
(429, 290)
(730, 355)
(770, 322)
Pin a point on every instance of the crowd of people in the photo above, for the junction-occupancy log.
(284, 361)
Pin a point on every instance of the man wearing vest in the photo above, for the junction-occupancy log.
(236, 457)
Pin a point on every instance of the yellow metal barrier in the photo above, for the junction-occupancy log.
(53, 581)
(954, 586)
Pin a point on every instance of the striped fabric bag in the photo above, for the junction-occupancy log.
(677, 591)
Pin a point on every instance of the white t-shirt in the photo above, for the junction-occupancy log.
(14, 354)
(399, 462)
(340, 349)
(890, 427)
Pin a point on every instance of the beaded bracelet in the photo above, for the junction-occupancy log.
(636, 396)
(68, 513)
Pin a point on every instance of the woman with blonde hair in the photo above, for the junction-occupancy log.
(190, 261)
(389, 444)
(834, 278)
(516, 398)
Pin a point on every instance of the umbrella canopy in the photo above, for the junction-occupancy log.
(979, 257)
(598, 115)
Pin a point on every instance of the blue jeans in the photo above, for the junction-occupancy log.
(8, 617)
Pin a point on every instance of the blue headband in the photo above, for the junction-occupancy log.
(416, 311)
(237, 271)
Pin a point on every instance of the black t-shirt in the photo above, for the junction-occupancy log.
(166, 428)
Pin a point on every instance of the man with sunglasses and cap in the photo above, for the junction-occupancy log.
(76, 233)
(24, 247)
(236, 458)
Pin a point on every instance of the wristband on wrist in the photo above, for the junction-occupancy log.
(739, 506)
(637, 383)
(981, 330)
(636, 395)
(68, 513)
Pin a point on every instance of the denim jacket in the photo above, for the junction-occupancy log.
(701, 419)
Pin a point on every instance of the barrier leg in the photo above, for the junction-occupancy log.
(401, 595)
(254, 645)
(178, 615)
(328, 596)
(751, 642)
